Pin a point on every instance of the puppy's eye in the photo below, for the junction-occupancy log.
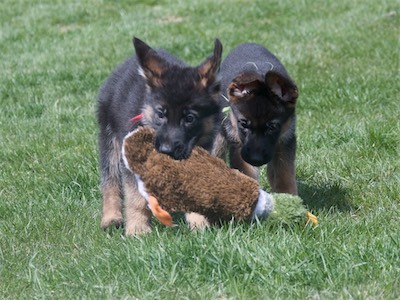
(272, 127)
(160, 113)
(189, 118)
(244, 123)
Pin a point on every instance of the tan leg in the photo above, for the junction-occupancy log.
(220, 146)
(110, 177)
(196, 221)
(282, 175)
(137, 216)
(237, 162)
(112, 215)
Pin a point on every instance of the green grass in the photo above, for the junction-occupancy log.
(344, 56)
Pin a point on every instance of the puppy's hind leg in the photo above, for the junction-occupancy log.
(110, 181)
(112, 215)
(137, 216)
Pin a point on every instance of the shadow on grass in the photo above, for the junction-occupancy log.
(329, 196)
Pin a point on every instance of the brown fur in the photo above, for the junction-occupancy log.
(220, 192)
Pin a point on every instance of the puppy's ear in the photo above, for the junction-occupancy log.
(281, 86)
(208, 70)
(244, 86)
(152, 66)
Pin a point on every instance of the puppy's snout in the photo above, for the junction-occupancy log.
(254, 157)
(165, 148)
(176, 149)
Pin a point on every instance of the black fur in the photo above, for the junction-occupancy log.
(261, 126)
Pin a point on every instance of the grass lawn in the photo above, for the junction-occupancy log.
(344, 56)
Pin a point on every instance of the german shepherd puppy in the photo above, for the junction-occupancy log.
(260, 127)
(153, 89)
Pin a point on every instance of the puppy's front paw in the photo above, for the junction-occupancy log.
(111, 220)
(135, 229)
(196, 221)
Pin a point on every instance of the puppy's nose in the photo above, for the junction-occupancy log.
(166, 148)
(255, 158)
(175, 150)
(255, 161)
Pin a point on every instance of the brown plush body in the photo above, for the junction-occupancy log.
(189, 185)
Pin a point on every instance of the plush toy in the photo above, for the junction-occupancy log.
(203, 184)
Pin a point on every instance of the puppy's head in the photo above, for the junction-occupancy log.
(180, 101)
(263, 108)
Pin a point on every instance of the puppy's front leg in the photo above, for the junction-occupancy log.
(196, 221)
(282, 171)
(237, 162)
(137, 216)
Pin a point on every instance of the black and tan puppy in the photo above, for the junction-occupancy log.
(157, 90)
(260, 127)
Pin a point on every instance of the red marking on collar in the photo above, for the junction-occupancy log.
(137, 119)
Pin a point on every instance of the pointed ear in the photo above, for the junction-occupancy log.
(281, 86)
(243, 86)
(208, 70)
(152, 65)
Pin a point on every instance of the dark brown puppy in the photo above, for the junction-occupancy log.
(260, 127)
